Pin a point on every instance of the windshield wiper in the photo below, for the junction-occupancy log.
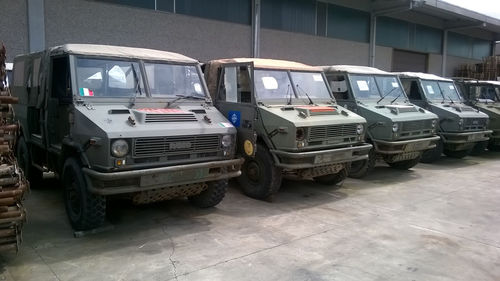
(181, 97)
(289, 95)
(396, 98)
(386, 95)
(310, 100)
(450, 99)
(137, 86)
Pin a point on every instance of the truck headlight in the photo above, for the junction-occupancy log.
(433, 124)
(460, 123)
(395, 127)
(359, 129)
(300, 134)
(119, 148)
(227, 141)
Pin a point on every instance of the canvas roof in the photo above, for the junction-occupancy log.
(355, 69)
(421, 75)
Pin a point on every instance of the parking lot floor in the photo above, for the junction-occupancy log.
(435, 222)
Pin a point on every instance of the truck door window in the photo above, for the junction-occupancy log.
(411, 87)
(338, 84)
(61, 84)
(237, 87)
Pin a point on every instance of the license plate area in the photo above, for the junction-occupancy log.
(174, 177)
(332, 157)
(417, 146)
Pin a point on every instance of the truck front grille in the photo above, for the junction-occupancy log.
(320, 133)
(475, 124)
(178, 145)
(160, 118)
(418, 125)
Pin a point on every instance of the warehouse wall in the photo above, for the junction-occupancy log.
(13, 27)
(77, 21)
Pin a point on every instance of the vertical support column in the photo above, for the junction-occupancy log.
(255, 28)
(444, 52)
(36, 25)
(373, 39)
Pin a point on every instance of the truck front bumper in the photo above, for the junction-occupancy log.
(462, 141)
(311, 159)
(406, 146)
(147, 179)
(495, 137)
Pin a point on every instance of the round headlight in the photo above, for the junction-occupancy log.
(395, 127)
(460, 122)
(227, 141)
(434, 123)
(300, 134)
(359, 129)
(119, 148)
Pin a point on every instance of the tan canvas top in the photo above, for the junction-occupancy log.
(421, 75)
(355, 69)
(212, 67)
(119, 51)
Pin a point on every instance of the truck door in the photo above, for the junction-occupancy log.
(414, 93)
(59, 101)
(340, 90)
(236, 101)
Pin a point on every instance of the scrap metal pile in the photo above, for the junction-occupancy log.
(13, 184)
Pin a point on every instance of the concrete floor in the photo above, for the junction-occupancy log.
(435, 222)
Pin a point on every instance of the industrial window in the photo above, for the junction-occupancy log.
(464, 46)
(238, 11)
(291, 15)
(393, 33)
(349, 24)
(146, 4)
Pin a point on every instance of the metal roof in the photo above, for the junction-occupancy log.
(267, 63)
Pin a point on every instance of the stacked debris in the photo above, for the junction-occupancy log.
(13, 184)
(489, 69)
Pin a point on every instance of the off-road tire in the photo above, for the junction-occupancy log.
(33, 175)
(479, 148)
(493, 147)
(85, 210)
(406, 164)
(434, 154)
(260, 178)
(361, 168)
(457, 154)
(211, 196)
(332, 179)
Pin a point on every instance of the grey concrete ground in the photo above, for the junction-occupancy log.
(436, 222)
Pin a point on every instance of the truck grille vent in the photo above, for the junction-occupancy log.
(165, 146)
(180, 117)
(326, 132)
(474, 124)
(416, 125)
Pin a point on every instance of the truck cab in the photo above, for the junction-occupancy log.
(460, 126)
(399, 130)
(485, 97)
(112, 120)
(288, 122)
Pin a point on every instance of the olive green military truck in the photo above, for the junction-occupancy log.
(484, 96)
(399, 131)
(460, 126)
(114, 120)
(287, 122)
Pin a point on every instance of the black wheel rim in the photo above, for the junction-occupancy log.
(73, 195)
(357, 165)
(253, 171)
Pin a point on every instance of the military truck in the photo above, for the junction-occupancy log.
(484, 96)
(119, 121)
(399, 131)
(460, 126)
(288, 123)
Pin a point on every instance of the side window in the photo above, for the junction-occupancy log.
(236, 85)
(338, 84)
(61, 82)
(411, 88)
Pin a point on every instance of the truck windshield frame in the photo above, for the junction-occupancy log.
(435, 90)
(284, 86)
(369, 87)
(485, 93)
(113, 78)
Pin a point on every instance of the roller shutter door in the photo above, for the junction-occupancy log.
(409, 61)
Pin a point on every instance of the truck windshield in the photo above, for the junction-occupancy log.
(368, 87)
(172, 80)
(277, 84)
(485, 93)
(108, 78)
(440, 91)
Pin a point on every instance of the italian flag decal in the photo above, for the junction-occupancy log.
(86, 92)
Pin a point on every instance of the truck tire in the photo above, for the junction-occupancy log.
(33, 175)
(85, 210)
(332, 179)
(211, 196)
(260, 178)
(361, 168)
(479, 148)
(493, 147)
(457, 154)
(434, 154)
(406, 164)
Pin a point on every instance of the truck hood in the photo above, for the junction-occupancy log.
(399, 112)
(118, 121)
(312, 115)
(459, 110)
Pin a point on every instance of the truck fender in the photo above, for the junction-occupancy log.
(71, 147)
